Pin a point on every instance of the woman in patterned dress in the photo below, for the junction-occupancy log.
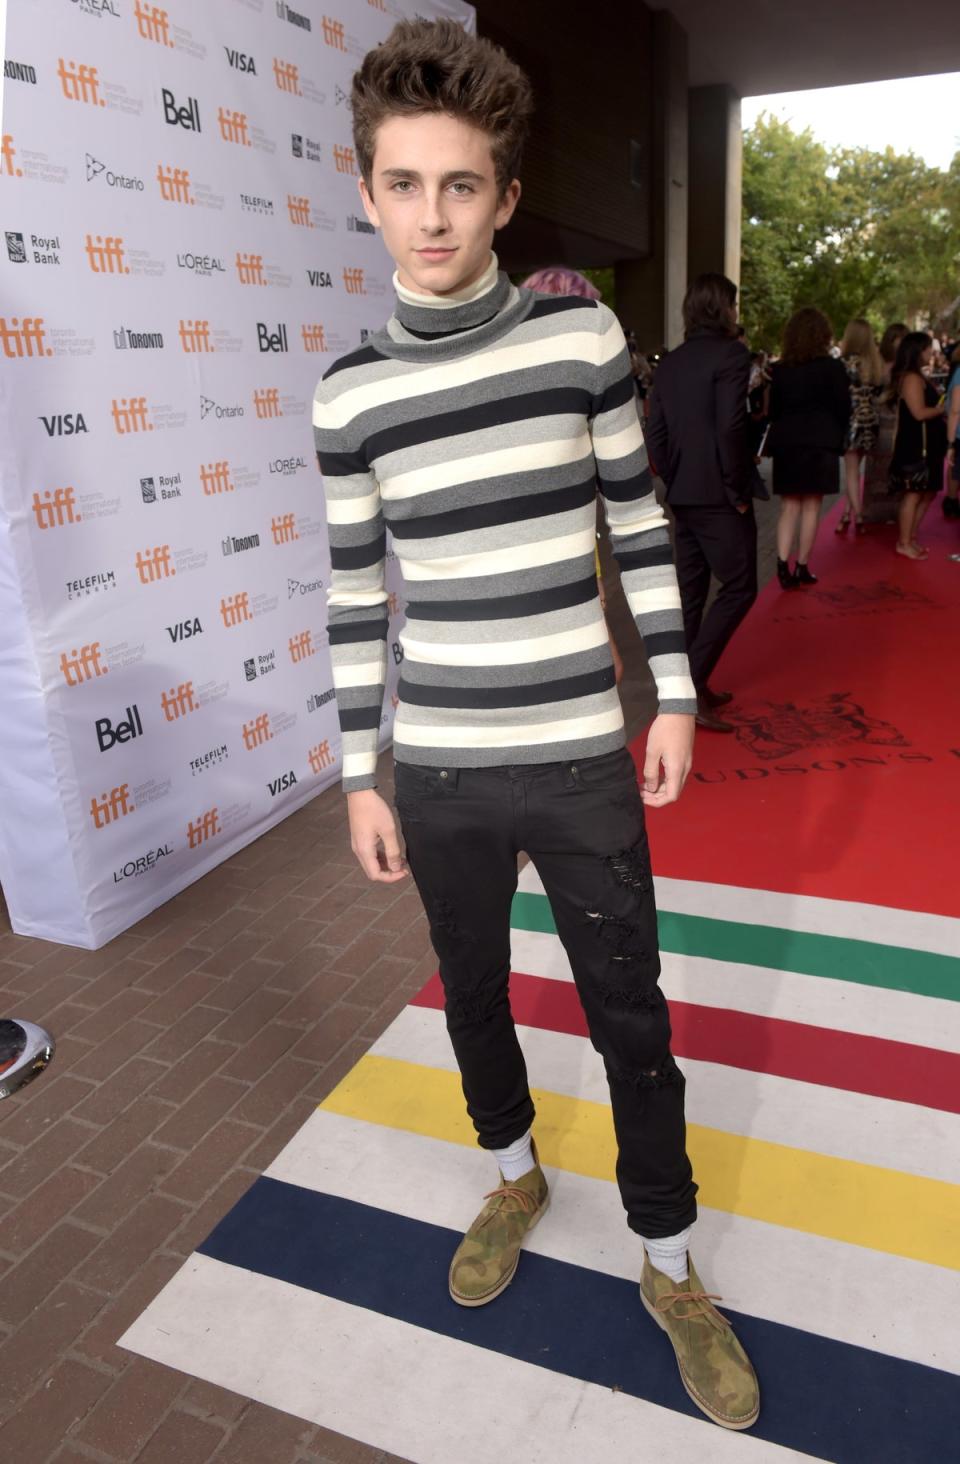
(866, 376)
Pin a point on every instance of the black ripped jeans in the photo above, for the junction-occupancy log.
(582, 825)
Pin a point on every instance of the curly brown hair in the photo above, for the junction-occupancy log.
(807, 335)
(435, 66)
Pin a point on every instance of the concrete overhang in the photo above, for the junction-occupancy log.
(763, 46)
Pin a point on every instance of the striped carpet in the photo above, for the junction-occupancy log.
(820, 1036)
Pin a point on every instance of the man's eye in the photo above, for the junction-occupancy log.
(462, 188)
(401, 185)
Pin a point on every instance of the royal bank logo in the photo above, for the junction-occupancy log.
(233, 545)
(306, 148)
(240, 61)
(171, 486)
(186, 116)
(148, 490)
(16, 249)
(293, 17)
(260, 665)
(126, 339)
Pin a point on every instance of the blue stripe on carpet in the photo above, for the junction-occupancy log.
(826, 1398)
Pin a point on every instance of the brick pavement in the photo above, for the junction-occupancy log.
(190, 1050)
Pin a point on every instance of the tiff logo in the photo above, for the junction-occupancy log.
(152, 23)
(313, 338)
(177, 702)
(287, 76)
(215, 478)
(82, 665)
(111, 806)
(234, 609)
(299, 211)
(233, 126)
(80, 83)
(106, 255)
(353, 281)
(130, 415)
(344, 159)
(333, 33)
(23, 337)
(7, 154)
(55, 509)
(284, 529)
(301, 646)
(320, 756)
(250, 269)
(154, 564)
(207, 826)
(257, 732)
(195, 336)
(267, 402)
(174, 184)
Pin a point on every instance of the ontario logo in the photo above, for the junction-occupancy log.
(210, 408)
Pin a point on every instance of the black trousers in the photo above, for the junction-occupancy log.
(582, 825)
(719, 541)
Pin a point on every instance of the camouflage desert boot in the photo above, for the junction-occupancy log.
(487, 1257)
(714, 1368)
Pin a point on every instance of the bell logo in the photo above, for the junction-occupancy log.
(7, 154)
(333, 33)
(287, 76)
(174, 184)
(344, 159)
(320, 756)
(215, 478)
(281, 784)
(82, 665)
(233, 126)
(284, 530)
(195, 336)
(353, 282)
(111, 806)
(187, 117)
(25, 337)
(106, 255)
(250, 269)
(108, 736)
(299, 211)
(55, 509)
(154, 564)
(207, 826)
(235, 609)
(313, 338)
(269, 340)
(80, 83)
(179, 701)
(301, 646)
(152, 23)
(257, 732)
(267, 402)
(130, 415)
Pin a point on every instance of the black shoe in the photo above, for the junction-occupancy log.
(786, 576)
(802, 575)
(951, 508)
(708, 719)
(715, 698)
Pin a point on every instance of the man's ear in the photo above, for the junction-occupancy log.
(507, 204)
(369, 207)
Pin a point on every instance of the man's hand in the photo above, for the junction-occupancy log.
(668, 760)
(373, 837)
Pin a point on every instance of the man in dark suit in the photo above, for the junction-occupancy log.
(698, 443)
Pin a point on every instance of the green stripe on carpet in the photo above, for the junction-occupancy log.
(923, 973)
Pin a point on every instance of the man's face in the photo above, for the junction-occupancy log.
(434, 194)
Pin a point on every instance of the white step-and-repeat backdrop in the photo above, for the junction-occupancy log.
(183, 255)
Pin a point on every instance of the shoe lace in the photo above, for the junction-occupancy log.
(705, 1309)
(526, 1200)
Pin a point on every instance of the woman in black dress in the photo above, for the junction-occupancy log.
(809, 414)
(920, 446)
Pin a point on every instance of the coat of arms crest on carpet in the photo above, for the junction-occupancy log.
(777, 729)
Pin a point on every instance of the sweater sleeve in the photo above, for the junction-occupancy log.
(639, 534)
(357, 614)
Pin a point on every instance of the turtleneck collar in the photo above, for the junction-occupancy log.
(412, 299)
(440, 327)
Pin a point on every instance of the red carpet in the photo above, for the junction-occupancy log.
(843, 779)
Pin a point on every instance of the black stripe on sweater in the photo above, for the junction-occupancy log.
(499, 511)
(556, 401)
(567, 688)
(505, 607)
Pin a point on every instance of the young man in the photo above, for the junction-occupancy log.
(477, 426)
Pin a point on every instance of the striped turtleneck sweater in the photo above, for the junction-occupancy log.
(478, 429)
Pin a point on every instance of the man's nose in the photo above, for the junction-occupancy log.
(433, 213)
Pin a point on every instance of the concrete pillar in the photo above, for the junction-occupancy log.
(716, 181)
(650, 291)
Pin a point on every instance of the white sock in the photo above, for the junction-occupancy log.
(516, 1159)
(669, 1254)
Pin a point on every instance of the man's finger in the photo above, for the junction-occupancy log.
(391, 850)
(651, 771)
(366, 853)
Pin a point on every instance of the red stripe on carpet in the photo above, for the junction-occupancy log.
(843, 777)
(874, 1065)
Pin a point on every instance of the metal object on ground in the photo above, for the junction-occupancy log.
(25, 1050)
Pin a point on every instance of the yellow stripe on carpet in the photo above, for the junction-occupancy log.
(860, 1204)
